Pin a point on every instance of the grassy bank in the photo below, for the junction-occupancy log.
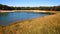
(42, 25)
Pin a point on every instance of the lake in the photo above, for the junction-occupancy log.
(8, 18)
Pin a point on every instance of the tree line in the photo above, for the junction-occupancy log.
(5, 7)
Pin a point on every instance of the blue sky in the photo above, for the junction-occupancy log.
(30, 3)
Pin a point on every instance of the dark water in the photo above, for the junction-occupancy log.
(7, 18)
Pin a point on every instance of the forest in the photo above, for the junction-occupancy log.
(51, 8)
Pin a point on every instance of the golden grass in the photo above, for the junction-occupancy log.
(1, 31)
(42, 25)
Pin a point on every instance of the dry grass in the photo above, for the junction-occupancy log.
(1, 31)
(42, 25)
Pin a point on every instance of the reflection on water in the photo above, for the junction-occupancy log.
(4, 14)
(7, 18)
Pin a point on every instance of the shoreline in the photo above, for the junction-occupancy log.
(25, 11)
(33, 11)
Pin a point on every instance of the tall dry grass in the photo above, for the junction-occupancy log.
(42, 25)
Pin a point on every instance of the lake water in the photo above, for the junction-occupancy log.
(7, 18)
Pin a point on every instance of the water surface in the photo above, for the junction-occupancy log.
(7, 18)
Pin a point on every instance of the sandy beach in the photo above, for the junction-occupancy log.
(24, 11)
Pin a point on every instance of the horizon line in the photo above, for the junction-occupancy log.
(32, 6)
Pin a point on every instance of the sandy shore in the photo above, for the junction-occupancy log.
(37, 11)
